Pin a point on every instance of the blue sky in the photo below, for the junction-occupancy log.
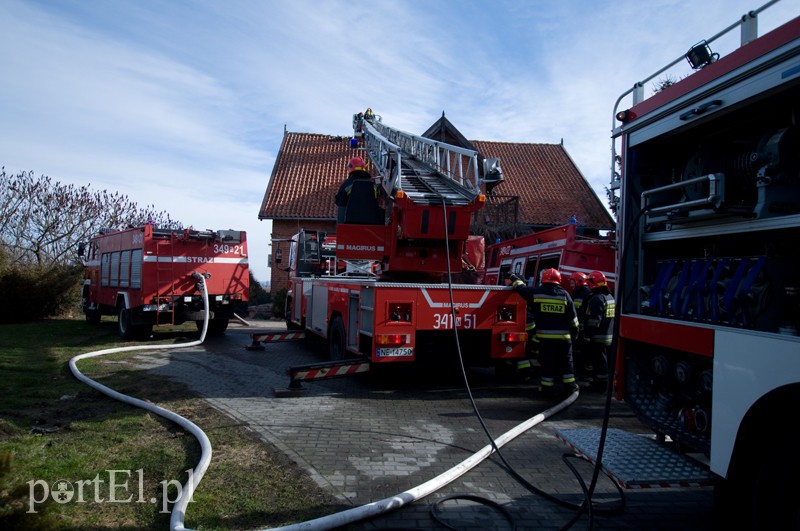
(182, 104)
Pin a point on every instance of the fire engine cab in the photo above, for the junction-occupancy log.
(381, 291)
(145, 276)
(561, 248)
(708, 293)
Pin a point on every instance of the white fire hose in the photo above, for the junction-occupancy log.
(331, 521)
(179, 509)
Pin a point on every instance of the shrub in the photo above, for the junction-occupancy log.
(278, 303)
(33, 292)
(258, 295)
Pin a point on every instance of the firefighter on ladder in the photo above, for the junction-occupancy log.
(597, 331)
(356, 171)
(552, 323)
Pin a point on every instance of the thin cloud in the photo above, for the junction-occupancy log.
(184, 106)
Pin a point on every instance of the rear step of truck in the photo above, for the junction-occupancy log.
(260, 338)
(319, 371)
(635, 461)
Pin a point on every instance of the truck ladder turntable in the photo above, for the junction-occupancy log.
(635, 461)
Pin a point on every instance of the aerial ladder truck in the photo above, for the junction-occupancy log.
(381, 292)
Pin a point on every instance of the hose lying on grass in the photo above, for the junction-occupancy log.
(179, 509)
(331, 521)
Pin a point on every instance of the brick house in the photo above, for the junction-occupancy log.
(542, 189)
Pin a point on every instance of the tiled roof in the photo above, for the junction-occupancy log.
(549, 185)
(306, 177)
(310, 167)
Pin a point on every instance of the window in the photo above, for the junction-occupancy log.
(136, 269)
(547, 262)
(530, 267)
(114, 279)
(125, 269)
(105, 269)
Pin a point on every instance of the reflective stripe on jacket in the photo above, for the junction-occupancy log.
(552, 310)
(600, 317)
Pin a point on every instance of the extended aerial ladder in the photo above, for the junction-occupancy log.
(398, 235)
(428, 190)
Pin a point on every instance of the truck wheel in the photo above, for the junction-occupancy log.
(287, 315)
(126, 329)
(216, 327)
(337, 337)
(776, 490)
(92, 316)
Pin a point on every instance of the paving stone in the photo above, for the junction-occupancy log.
(364, 438)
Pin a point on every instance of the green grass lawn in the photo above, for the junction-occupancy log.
(57, 432)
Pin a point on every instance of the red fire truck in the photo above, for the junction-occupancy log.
(378, 293)
(144, 276)
(708, 291)
(561, 248)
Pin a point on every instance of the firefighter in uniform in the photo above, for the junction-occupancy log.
(525, 368)
(598, 328)
(356, 171)
(581, 293)
(553, 325)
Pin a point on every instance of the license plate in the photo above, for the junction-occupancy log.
(403, 352)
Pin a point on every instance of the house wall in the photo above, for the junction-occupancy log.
(282, 232)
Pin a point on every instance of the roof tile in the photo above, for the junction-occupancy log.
(551, 188)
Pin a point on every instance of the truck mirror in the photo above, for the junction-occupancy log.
(81, 249)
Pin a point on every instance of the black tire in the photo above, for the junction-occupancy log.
(287, 315)
(776, 491)
(92, 316)
(505, 371)
(337, 340)
(216, 327)
(126, 329)
(144, 331)
(762, 491)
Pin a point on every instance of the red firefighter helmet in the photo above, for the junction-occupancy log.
(596, 279)
(578, 278)
(551, 276)
(356, 163)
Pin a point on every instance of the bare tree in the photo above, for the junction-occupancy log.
(42, 221)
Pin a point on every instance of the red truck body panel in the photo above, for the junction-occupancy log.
(150, 272)
(559, 247)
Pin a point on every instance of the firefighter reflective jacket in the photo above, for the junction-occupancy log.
(600, 316)
(580, 298)
(552, 310)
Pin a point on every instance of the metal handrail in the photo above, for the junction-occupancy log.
(387, 146)
(748, 22)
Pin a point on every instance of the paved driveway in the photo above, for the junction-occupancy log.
(365, 438)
